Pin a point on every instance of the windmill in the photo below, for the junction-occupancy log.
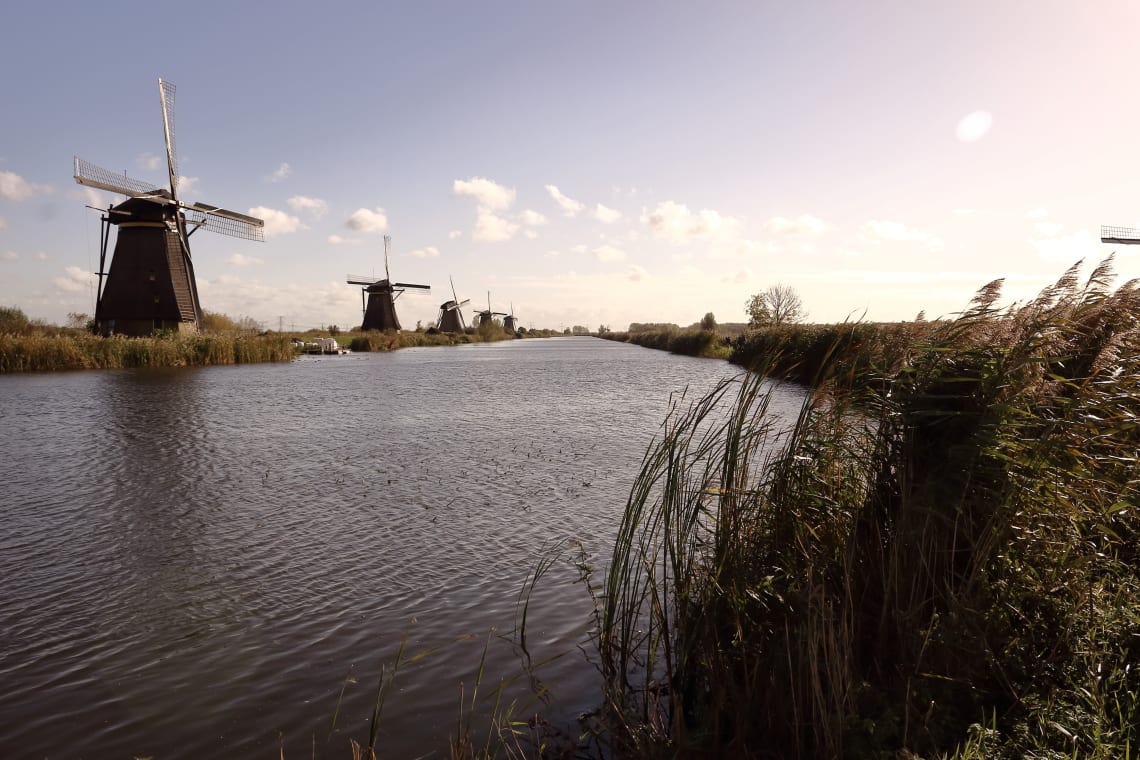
(450, 313)
(1121, 235)
(510, 324)
(488, 316)
(150, 285)
(380, 311)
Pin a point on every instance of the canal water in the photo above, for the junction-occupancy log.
(215, 562)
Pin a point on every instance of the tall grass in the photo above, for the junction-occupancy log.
(940, 563)
(705, 343)
(66, 350)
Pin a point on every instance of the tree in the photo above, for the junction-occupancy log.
(13, 320)
(778, 305)
(708, 322)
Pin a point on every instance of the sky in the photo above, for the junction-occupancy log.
(585, 163)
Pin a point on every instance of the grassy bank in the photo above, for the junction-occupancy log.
(704, 343)
(43, 351)
(951, 570)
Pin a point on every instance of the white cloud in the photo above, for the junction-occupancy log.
(675, 222)
(569, 206)
(338, 240)
(430, 252)
(530, 234)
(606, 215)
(533, 218)
(276, 222)
(489, 194)
(492, 228)
(974, 126)
(13, 187)
(737, 278)
(1037, 213)
(606, 253)
(187, 184)
(301, 203)
(91, 197)
(455, 234)
(40, 256)
(3, 222)
(149, 161)
(365, 220)
(9, 256)
(238, 260)
(1069, 249)
(878, 230)
(637, 273)
(551, 254)
(964, 211)
(578, 249)
(804, 225)
(1049, 229)
(74, 280)
(283, 171)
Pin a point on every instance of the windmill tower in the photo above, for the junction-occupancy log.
(150, 285)
(450, 313)
(380, 311)
(488, 316)
(510, 324)
(1121, 235)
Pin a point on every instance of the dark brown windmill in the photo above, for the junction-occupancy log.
(380, 309)
(150, 285)
(488, 316)
(450, 318)
(1121, 235)
(510, 324)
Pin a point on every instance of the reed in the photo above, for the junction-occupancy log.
(703, 343)
(940, 561)
(68, 350)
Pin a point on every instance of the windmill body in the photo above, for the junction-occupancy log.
(450, 319)
(150, 285)
(487, 316)
(380, 308)
(1120, 235)
(510, 324)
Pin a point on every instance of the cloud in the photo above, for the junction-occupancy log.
(675, 222)
(533, 218)
(315, 206)
(737, 278)
(489, 194)
(74, 280)
(569, 206)
(430, 252)
(149, 161)
(974, 126)
(365, 220)
(492, 228)
(636, 273)
(552, 254)
(606, 253)
(187, 184)
(1049, 229)
(40, 256)
(13, 187)
(3, 222)
(530, 234)
(455, 234)
(606, 215)
(238, 260)
(9, 256)
(91, 197)
(283, 171)
(1069, 249)
(876, 231)
(964, 211)
(276, 222)
(338, 240)
(578, 249)
(1037, 213)
(804, 225)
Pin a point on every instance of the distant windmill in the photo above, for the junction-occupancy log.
(488, 316)
(510, 324)
(451, 314)
(1121, 235)
(380, 311)
(150, 285)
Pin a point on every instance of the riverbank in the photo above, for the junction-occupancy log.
(938, 560)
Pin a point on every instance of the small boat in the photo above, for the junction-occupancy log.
(327, 346)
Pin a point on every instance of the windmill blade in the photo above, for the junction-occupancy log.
(225, 222)
(166, 96)
(387, 244)
(410, 285)
(360, 279)
(1120, 235)
(87, 173)
(464, 302)
(453, 296)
